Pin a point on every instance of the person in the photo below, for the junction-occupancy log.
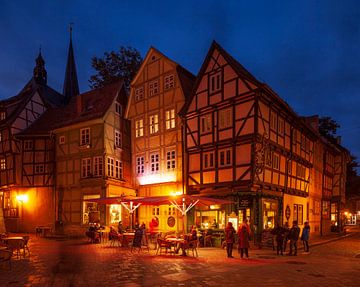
(294, 237)
(144, 238)
(305, 235)
(244, 239)
(113, 234)
(214, 224)
(188, 240)
(120, 228)
(230, 239)
(286, 235)
(279, 233)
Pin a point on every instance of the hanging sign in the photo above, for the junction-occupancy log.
(287, 212)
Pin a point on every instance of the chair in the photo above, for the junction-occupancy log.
(208, 239)
(16, 245)
(5, 256)
(192, 246)
(26, 247)
(163, 244)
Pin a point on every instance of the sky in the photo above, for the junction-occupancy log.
(307, 51)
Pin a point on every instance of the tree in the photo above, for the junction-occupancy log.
(328, 127)
(115, 65)
(352, 179)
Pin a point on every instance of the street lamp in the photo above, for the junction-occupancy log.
(22, 198)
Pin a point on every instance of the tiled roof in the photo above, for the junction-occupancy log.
(187, 81)
(94, 104)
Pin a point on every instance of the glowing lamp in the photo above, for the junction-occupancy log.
(157, 178)
(22, 197)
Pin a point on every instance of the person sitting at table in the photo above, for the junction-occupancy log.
(120, 228)
(188, 240)
(93, 234)
(144, 238)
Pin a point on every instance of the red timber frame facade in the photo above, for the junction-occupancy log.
(244, 143)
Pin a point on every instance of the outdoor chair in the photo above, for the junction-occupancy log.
(115, 239)
(208, 240)
(26, 246)
(192, 246)
(164, 245)
(5, 256)
(16, 246)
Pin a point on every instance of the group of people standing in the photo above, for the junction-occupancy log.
(282, 235)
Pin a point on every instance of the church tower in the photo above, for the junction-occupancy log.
(40, 74)
(71, 85)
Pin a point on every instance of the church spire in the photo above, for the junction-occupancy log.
(71, 85)
(40, 74)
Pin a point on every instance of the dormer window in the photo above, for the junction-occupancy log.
(118, 108)
(28, 145)
(2, 116)
(85, 136)
(139, 94)
(169, 82)
(153, 88)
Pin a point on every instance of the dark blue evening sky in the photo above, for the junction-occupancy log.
(307, 51)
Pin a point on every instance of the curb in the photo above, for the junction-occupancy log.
(332, 239)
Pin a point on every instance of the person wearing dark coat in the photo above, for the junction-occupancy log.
(294, 237)
(286, 235)
(230, 239)
(305, 235)
(279, 233)
(244, 239)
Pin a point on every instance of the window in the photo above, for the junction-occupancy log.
(110, 167)
(215, 82)
(154, 124)
(2, 116)
(170, 160)
(225, 157)
(118, 141)
(155, 211)
(206, 124)
(140, 165)
(118, 169)
(2, 163)
(225, 118)
(98, 166)
(28, 145)
(268, 158)
(289, 167)
(61, 139)
(85, 136)
(281, 126)
(276, 162)
(170, 119)
(300, 171)
(154, 162)
(139, 128)
(326, 209)
(208, 160)
(0, 136)
(273, 121)
(153, 88)
(169, 82)
(39, 168)
(85, 167)
(316, 207)
(299, 213)
(118, 108)
(139, 94)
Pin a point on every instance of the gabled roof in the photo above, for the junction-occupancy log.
(85, 107)
(71, 85)
(14, 105)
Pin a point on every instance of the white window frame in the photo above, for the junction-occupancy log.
(139, 128)
(276, 161)
(225, 118)
(118, 169)
(2, 163)
(154, 162)
(206, 123)
(2, 116)
(154, 124)
(215, 82)
(169, 82)
(84, 136)
(225, 157)
(118, 108)
(139, 94)
(153, 88)
(170, 119)
(110, 167)
(273, 121)
(98, 166)
(208, 160)
(170, 159)
(140, 165)
(62, 140)
(86, 167)
(118, 139)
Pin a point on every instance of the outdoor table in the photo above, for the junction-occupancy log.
(127, 237)
(7, 239)
(3, 248)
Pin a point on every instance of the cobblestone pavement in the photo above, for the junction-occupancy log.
(77, 263)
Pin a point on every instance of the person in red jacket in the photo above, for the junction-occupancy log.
(244, 239)
(230, 239)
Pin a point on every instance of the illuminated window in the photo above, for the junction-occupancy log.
(206, 123)
(170, 160)
(276, 162)
(118, 141)
(154, 124)
(89, 208)
(140, 165)
(98, 166)
(118, 169)
(139, 94)
(215, 82)
(2, 163)
(299, 213)
(85, 136)
(61, 139)
(1, 136)
(170, 119)
(154, 162)
(85, 167)
(208, 160)
(2, 116)
(110, 167)
(225, 118)
(169, 82)
(118, 108)
(153, 88)
(39, 168)
(273, 120)
(225, 157)
(139, 128)
(28, 145)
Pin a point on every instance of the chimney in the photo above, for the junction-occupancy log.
(78, 104)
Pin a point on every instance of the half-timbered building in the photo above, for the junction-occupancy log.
(158, 92)
(245, 143)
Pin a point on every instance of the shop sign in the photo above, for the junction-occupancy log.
(244, 202)
(171, 221)
(287, 212)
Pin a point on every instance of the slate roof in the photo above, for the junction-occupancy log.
(94, 105)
